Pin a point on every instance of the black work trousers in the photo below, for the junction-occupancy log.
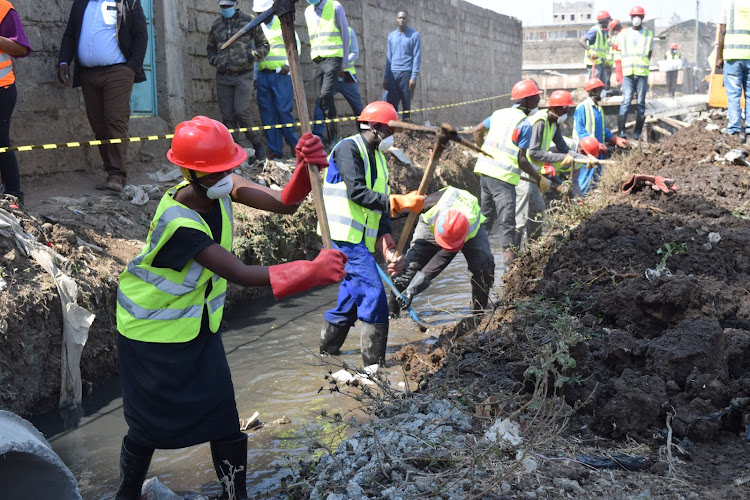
(498, 201)
(326, 75)
(8, 164)
(427, 256)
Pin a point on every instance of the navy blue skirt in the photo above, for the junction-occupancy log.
(177, 395)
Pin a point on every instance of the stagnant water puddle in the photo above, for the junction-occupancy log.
(271, 350)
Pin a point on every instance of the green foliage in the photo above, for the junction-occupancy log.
(669, 250)
(742, 212)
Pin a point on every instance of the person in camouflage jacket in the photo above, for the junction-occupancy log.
(234, 68)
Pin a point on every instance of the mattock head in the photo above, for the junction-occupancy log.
(281, 7)
(447, 132)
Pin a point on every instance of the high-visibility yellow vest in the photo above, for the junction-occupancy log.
(325, 38)
(600, 47)
(590, 124)
(573, 146)
(547, 135)
(348, 221)
(610, 53)
(634, 51)
(276, 57)
(162, 305)
(503, 162)
(6, 64)
(461, 200)
(670, 56)
(737, 37)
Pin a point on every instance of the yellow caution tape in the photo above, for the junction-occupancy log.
(99, 142)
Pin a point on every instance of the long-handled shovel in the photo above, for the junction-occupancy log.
(414, 316)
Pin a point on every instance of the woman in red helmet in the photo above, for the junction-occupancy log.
(358, 202)
(176, 385)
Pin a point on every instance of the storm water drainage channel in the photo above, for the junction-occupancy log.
(269, 346)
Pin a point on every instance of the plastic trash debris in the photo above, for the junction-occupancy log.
(712, 126)
(504, 431)
(737, 157)
(153, 489)
(136, 195)
(3, 284)
(617, 461)
(714, 237)
(167, 173)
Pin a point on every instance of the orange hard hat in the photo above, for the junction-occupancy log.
(614, 23)
(593, 83)
(378, 112)
(451, 229)
(637, 11)
(603, 14)
(523, 89)
(590, 145)
(205, 145)
(674, 46)
(560, 98)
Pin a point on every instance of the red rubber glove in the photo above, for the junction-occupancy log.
(301, 275)
(549, 169)
(309, 150)
(618, 72)
(657, 183)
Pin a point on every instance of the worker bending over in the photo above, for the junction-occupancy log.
(358, 203)
(508, 135)
(581, 174)
(451, 222)
(545, 133)
(176, 385)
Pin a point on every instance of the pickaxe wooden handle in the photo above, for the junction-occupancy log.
(290, 43)
(441, 139)
(452, 134)
(261, 18)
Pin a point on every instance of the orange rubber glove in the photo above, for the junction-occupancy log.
(412, 201)
(309, 150)
(300, 275)
(618, 72)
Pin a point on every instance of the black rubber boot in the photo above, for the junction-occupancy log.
(260, 150)
(394, 308)
(621, 125)
(332, 337)
(230, 462)
(373, 340)
(639, 121)
(133, 469)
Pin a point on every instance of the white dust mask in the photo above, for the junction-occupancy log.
(386, 144)
(562, 118)
(637, 21)
(221, 189)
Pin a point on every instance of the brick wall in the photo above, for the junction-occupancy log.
(468, 53)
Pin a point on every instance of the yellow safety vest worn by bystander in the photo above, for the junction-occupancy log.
(348, 221)
(503, 163)
(457, 199)
(737, 37)
(590, 125)
(634, 47)
(547, 135)
(351, 69)
(610, 52)
(6, 64)
(325, 37)
(162, 305)
(276, 57)
(670, 56)
(600, 47)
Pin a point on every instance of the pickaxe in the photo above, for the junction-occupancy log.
(285, 10)
(445, 133)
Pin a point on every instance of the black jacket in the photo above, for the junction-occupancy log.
(132, 36)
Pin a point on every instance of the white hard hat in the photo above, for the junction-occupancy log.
(262, 5)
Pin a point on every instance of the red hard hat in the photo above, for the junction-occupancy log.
(451, 229)
(603, 14)
(378, 112)
(674, 46)
(590, 145)
(613, 24)
(593, 83)
(560, 98)
(205, 145)
(524, 88)
(637, 11)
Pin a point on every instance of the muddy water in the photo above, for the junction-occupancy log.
(269, 346)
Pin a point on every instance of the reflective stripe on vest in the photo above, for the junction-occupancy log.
(547, 134)
(600, 47)
(163, 305)
(590, 125)
(461, 200)
(325, 37)
(634, 51)
(7, 77)
(351, 70)
(610, 52)
(276, 57)
(348, 221)
(503, 163)
(737, 37)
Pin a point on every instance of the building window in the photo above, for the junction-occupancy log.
(572, 17)
(562, 17)
(588, 16)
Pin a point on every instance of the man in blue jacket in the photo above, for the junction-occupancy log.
(402, 60)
